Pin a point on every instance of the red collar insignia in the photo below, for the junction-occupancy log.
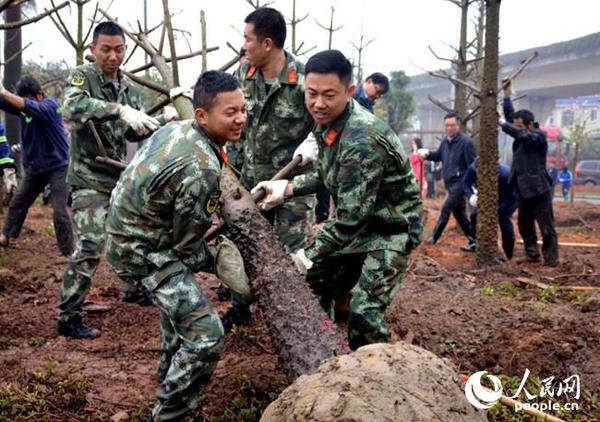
(330, 137)
(251, 71)
(223, 154)
(292, 77)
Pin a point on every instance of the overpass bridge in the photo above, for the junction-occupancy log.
(562, 70)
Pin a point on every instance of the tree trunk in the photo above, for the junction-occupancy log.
(12, 69)
(80, 47)
(487, 166)
(460, 96)
(301, 330)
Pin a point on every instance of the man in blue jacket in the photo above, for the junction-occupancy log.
(507, 204)
(45, 159)
(456, 152)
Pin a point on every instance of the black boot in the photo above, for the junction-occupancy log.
(75, 328)
(138, 297)
(508, 245)
(236, 316)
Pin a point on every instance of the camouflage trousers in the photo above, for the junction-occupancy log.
(372, 278)
(90, 208)
(293, 220)
(191, 337)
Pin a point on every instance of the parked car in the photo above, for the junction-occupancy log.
(587, 172)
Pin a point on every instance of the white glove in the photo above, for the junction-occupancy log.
(10, 180)
(302, 262)
(179, 90)
(308, 150)
(140, 122)
(16, 148)
(473, 200)
(423, 152)
(275, 193)
(170, 113)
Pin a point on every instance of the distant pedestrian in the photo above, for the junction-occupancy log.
(417, 163)
(456, 152)
(565, 178)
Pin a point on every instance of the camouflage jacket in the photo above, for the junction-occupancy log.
(164, 202)
(92, 96)
(278, 120)
(363, 165)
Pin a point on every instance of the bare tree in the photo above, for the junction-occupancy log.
(330, 29)
(293, 22)
(256, 3)
(79, 42)
(487, 167)
(359, 49)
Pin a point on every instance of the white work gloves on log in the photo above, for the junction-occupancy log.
(10, 181)
(275, 191)
(308, 150)
(423, 152)
(179, 90)
(473, 200)
(140, 122)
(302, 262)
(229, 268)
(169, 114)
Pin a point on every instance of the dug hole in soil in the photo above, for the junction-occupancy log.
(478, 320)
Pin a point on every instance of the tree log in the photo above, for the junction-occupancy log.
(301, 330)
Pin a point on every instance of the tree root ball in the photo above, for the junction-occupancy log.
(379, 382)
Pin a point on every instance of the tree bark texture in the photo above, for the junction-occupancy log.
(301, 330)
(460, 95)
(487, 166)
(12, 69)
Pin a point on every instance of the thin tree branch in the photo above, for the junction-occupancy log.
(13, 25)
(89, 31)
(440, 104)
(171, 38)
(61, 24)
(168, 59)
(520, 69)
(438, 57)
(14, 56)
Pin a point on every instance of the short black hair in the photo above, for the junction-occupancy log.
(268, 23)
(107, 28)
(380, 79)
(210, 84)
(525, 115)
(330, 61)
(454, 115)
(418, 142)
(28, 85)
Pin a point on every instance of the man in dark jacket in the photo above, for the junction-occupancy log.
(456, 152)
(532, 181)
(507, 204)
(45, 154)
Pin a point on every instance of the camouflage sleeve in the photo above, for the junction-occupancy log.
(79, 105)
(305, 184)
(195, 202)
(359, 178)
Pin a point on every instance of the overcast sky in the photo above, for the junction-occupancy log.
(401, 29)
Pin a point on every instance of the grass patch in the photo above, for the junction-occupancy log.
(549, 295)
(42, 394)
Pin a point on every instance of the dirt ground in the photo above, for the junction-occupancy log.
(480, 320)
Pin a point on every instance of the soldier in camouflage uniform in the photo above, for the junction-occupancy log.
(99, 93)
(362, 163)
(273, 84)
(159, 213)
